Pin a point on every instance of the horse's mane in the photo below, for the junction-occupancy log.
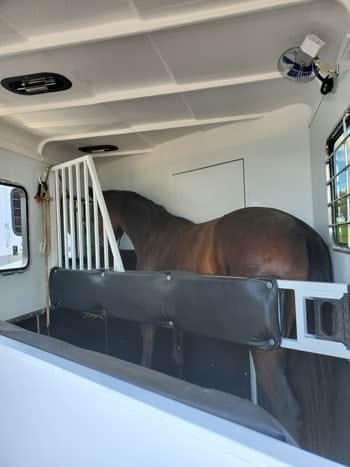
(132, 196)
(155, 210)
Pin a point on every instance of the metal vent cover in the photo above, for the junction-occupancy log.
(98, 148)
(36, 83)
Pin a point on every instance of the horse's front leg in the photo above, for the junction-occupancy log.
(148, 332)
(274, 392)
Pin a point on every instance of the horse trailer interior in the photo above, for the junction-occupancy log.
(174, 233)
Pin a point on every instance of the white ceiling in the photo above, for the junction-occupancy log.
(146, 71)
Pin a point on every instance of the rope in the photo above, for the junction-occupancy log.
(46, 249)
(43, 196)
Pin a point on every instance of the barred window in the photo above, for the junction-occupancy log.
(338, 183)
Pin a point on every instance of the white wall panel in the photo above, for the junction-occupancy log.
(195, 190)
(328, 115)
(24, 292)
(275, 151)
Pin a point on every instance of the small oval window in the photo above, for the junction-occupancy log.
(14, 247)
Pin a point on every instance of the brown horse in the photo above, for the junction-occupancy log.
(253, 242)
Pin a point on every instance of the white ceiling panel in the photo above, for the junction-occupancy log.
(249, 44)
(92, 68)
(9, 34)
(162, 136)
(114, 114)
(253, 98)
(155, 8)
(157, 87)
(123, 142)
(30, 18)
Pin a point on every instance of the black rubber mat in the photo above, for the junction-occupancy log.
(208, 362)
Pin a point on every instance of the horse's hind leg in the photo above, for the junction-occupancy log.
(148, 332)
(178, 352)
(274, 392)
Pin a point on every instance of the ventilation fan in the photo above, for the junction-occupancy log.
(303, 65)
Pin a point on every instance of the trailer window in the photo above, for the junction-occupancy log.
(338, 183)
(14, 249)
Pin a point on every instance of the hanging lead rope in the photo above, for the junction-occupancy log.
(43, 197)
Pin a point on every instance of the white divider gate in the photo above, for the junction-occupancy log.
(80, 219)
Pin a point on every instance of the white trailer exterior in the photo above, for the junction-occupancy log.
(177, 89)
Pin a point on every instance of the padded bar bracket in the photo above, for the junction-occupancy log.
(332, 319)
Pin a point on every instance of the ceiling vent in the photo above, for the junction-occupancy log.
(37, 83)
(100, 148)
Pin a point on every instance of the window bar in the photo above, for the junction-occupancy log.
(338, 223)
(64, 204)
(342, 141)
(58, 219)
(333, 177)
(72, 217)
(335, 200)
(87, 216)
(347, 177)
(97, 233)
(79, 218)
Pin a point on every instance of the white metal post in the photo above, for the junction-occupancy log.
(58, 218)
(79, 218)
(87, 216)
(97, 233)
(118, 264)
(64, 206)
(72, 217)
(105, 248)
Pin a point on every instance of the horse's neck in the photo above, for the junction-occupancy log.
(145, 223)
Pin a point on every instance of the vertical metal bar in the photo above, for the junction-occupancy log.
(347, 184)
(64, 205)
(87, 215)
(97, 233)
(300, 315)
(117, 261)
(72, 217)
(105, 248)
(58, 218)
(79, 218)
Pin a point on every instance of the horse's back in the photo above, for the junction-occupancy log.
(261, 241)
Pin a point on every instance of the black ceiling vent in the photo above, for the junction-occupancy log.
(37, 83)
(98, 148)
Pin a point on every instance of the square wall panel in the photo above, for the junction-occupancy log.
(251, 43)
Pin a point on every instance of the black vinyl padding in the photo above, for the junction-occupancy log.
(238, 310)
(220, 404)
